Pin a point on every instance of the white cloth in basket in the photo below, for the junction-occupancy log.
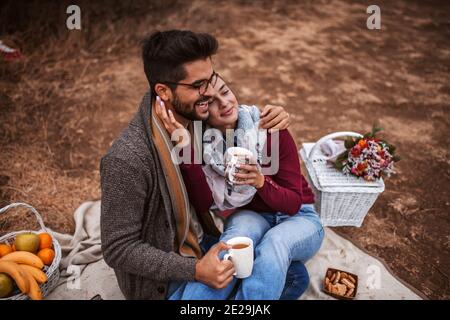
(332, 148)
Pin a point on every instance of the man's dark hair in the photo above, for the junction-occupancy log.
(165, 52)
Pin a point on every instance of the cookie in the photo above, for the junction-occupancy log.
(348, 283)
(341, 289)
(337, 278)
(349, 277)
(349, 292)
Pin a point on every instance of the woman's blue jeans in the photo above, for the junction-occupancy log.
(282, 244)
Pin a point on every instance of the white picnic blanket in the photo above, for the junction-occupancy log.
(89, 275)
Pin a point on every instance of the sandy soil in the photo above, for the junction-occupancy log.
(62, 106)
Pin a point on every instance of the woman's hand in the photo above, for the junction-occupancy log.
(166, 116)
(249, 175)
(274, 118)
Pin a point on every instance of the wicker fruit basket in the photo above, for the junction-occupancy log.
(341, 200)
(51, 271)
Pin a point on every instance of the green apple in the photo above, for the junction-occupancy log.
(6, 285)
(27, 242)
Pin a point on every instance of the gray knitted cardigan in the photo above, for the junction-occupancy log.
(137, 224)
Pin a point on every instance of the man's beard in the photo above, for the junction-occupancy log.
(186, 110)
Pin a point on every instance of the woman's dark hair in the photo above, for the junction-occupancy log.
(165, 52)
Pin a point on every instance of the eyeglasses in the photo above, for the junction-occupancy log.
(200, 85)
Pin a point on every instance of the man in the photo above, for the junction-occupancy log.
(150, 234)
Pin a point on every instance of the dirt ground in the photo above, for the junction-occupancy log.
(65, 102)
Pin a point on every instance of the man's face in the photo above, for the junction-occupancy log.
(187, 101)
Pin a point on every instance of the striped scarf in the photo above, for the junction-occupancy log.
(187, 240)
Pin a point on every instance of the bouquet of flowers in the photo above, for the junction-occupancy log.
(368, 157)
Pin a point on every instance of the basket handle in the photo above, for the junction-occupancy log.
(20, 204)
(316, 147)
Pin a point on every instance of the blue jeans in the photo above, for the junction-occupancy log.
(278, 239)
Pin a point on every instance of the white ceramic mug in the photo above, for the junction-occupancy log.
(242, 258)
(235, 156)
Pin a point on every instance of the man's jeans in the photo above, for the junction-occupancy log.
(278, 239)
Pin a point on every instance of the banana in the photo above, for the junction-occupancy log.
(24, 257)
(14, 270)
(37, 274)
(35, 291)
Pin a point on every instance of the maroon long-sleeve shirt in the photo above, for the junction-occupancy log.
(283, 192)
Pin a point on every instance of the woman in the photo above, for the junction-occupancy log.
(280, 218)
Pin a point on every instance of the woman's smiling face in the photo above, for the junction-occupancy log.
(223, 110)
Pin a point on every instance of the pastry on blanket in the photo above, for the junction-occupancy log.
(349, 292)
(337, 278)
(334, 289)
(341, 289)
(348, 283)
(340, 284)
(333, 276)
(351, 279)
(329, 287)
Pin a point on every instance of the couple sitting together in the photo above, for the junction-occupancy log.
(160, 227)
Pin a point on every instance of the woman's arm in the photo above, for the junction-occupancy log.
(283, 191)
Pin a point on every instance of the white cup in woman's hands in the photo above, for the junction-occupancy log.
(234, 157)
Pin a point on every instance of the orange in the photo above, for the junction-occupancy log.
(45, 241)
(13, 247)
(5, 249)
(47, 255)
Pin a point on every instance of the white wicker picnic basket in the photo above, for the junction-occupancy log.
(51, 271)
(341, 200)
